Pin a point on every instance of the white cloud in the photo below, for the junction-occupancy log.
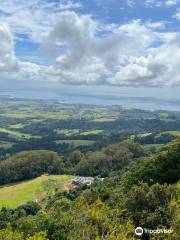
(177, 14)
(10, 66)
(67, 5)
(7, 58)
(27, 18)
(124, 56)
(156, 25)
(90, 56)
(33, 18)
(154, 3)
(158, 68)
(171, 2)
(87, 51)
(161, 3)
(130, 3)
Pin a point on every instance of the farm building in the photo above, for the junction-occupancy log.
(83, 181)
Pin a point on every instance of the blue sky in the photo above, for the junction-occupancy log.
(118, 11)
(93, 42)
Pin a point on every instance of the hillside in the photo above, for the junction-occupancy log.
(143, 191)
(28, 165)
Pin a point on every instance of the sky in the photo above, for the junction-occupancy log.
(125, 43)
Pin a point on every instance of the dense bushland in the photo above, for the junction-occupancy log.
(27, 165)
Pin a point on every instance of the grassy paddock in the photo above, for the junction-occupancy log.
(13, 195)
(175, 133)
(6, 145)
(15, 134)
(76, 143)
(92, 132)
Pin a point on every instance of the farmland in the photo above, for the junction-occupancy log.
(13, 195)
(28, 124)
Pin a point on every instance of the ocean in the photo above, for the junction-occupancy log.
(141, 98)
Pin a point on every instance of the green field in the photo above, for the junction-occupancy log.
(16, 126)
(33, 190)
(156, 146)
(175, 133)
(92, 132)
(6, 145)
(15, 134)
(76, 143)
(34, 113)
(68, 132)
(105, 119)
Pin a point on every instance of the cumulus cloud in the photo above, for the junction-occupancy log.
(125, 56)
(89, 54)
(7, 58)
(88, 51)
(10, 66)
(19, 15)
(33, 18)
(158, 68)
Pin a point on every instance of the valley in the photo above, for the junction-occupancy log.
(46, 144)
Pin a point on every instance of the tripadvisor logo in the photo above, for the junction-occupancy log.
(139, 231)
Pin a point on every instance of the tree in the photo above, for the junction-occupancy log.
(38, 236)
(75, 157)
(149, 206)
(9, 234)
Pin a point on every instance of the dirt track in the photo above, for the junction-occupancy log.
(68, 186)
